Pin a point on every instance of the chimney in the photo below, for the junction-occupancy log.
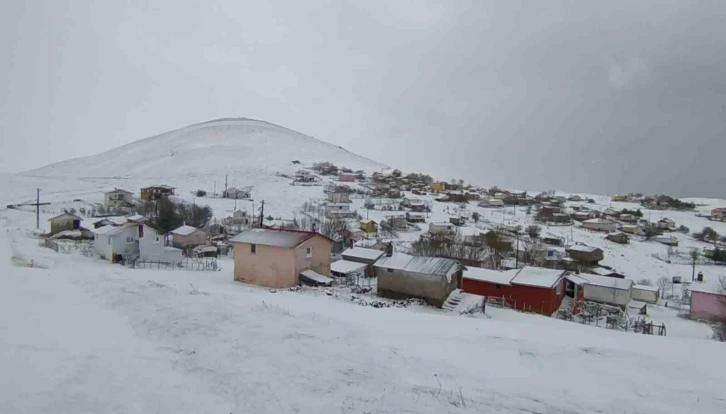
(389, 249)
(314, 228)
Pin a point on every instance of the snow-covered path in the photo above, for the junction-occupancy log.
(86, 336)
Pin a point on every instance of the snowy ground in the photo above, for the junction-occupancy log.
(81, 335)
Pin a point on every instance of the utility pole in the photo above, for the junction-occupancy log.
(215, 190)
(235, 201)
(225, 183)
(37, 210)
(262, 214)
(516, 262)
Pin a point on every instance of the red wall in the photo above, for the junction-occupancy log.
(539, 300)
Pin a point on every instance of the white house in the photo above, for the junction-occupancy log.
(133, 240)
(441, 228)
(117, 198)
(610, 290)
(598, 224)
(666, 224)
(337, 210)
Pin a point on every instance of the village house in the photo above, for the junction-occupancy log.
(619, 197)
(628, 218)
(415, 204)
(134, 241)
(666, 224)
(276, 257)
(304, 176)
(532, 289)
(155, 192)
(118, 198)
(339, 196)
(708, 300)
(610, 213)
(337, 210)
(644, 293)
(438, 186)
(188, 236)
(608, 290)
(346, 177)
(235, 193)
(620, 238)
(575, 198)
(631, 229)
(413, 217)
(456, 196)
(403, 276)
(668, 240)
(441, 228)
(718, 214)
(492, 202)
(582, 215)
(599, 224)
(63, 222)
(586, 254)
(368, 226)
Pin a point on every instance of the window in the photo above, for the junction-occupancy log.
(308, 252)
(390, 270)
(498, 286)
(129, 239)
(253, 248)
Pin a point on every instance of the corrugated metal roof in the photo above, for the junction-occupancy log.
(488, 275)
(608, 282)
(273, 237)
(425, 265)
(537, 277)
(184, 230)
(68, 216)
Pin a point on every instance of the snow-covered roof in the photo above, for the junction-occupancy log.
(67, 233)
(598, 221)
(413, 214)
(346, 205)
(608, 282)
(363, 253)
(488, 275)
(537, 276)
(576, 280)
(136, 217)
(646, 287)
(184, 230)
(274, 237)
(65, 216)
(104, 229)
(415, 264)
(441, 224)
(313, 275)
(366, 221)
(582, 248)
(118, 190)
(346, 266)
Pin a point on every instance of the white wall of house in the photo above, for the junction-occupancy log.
(645, 294)
(117, 198)
(608, 295)
(151, 247)
(123, 243)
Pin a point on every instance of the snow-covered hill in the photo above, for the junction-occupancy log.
(240, 147)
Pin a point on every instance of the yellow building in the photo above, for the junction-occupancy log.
(440, 186)
(368, 226)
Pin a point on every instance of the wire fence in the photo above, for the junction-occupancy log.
(200, 265)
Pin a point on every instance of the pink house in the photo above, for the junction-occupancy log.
(346, 177)
(707, 303)
(188, 236)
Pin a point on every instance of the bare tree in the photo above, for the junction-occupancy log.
(533, 251)
(663, 283)
(534, 231)
(332, 227)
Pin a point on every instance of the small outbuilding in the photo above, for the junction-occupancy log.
(609, 290)
(647, 294)
(118, 198)
(599, 224)
(65, 221)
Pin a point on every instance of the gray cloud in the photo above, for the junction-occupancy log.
(579, 95)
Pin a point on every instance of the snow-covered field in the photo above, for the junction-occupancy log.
(81, 335)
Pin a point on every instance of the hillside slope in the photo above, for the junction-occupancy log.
(235, 146)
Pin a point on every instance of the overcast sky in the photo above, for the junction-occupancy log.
(599, 96)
